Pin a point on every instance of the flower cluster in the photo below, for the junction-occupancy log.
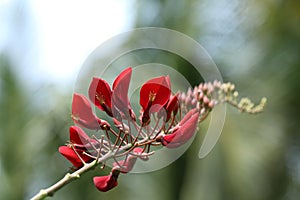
(206, 95)
(128, 137)
(165, 119)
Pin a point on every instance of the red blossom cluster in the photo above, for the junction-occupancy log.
(130, 138)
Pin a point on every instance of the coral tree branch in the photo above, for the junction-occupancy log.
(68, 178)
(192, 107)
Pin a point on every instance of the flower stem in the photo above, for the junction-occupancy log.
(43, 193)
(68, 178)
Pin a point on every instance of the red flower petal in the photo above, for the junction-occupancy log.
(100, 94)
(188, 116)
(172, 106)
(105, 183)
(123, 75)
(126, 165)
(120, 102)
(82, 112)
(140, 151)
(155, 91)
(78, 136)
(184, 132)
(70, 155)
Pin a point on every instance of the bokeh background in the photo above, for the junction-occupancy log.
(255, 44)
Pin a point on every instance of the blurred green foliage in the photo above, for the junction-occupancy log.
(255, 44)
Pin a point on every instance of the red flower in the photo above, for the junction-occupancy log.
(120, 102)
(154, 94)
(183, 131)
(125, 166)
(105, 183)
(83, 115)
(115, 103)
(70, 155)
(100, 94)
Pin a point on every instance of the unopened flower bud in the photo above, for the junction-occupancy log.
(211, 104)
(205, 100)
